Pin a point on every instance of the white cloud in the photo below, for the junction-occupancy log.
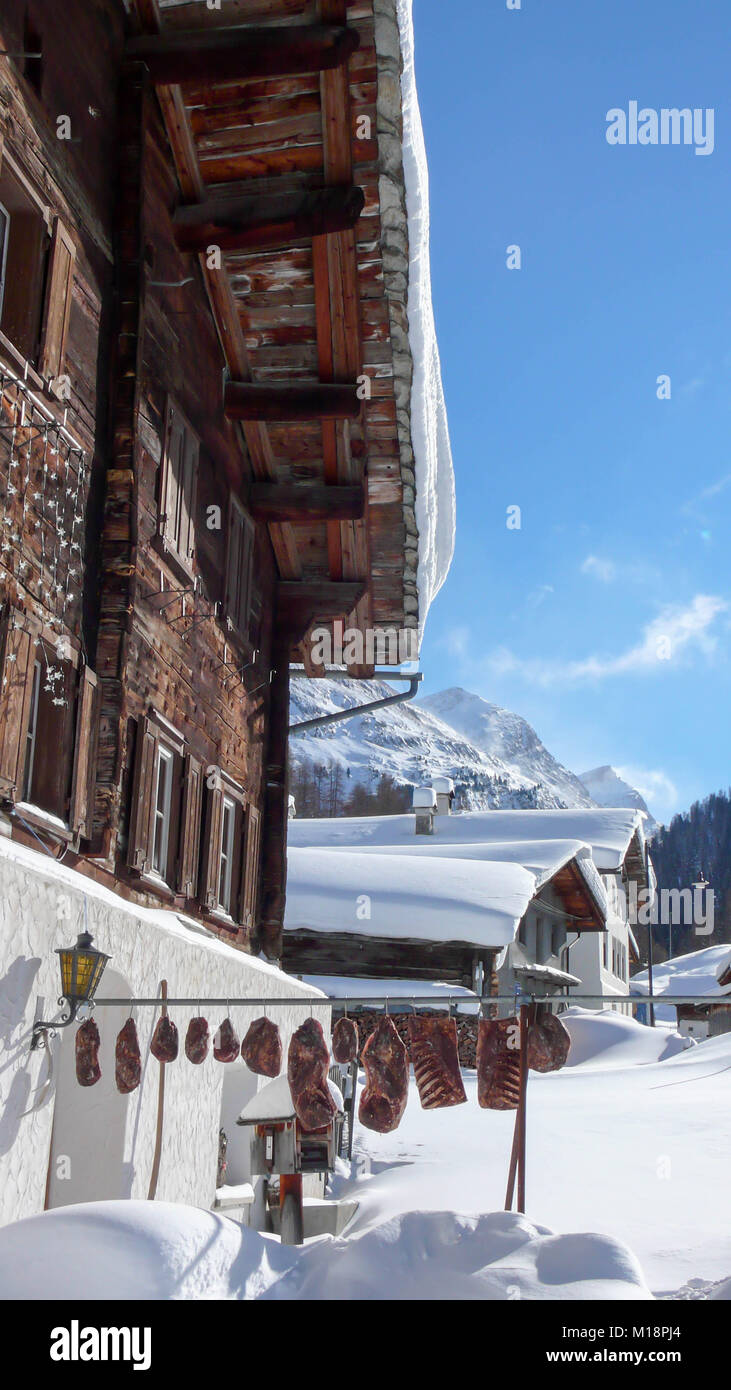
(653, 784)
(664, 642)
(605, 570)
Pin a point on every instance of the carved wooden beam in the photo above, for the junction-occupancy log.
(240, 224)
(300, 502)
(245, 400)
(232, 55)
(303, 602)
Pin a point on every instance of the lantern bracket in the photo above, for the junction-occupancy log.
(50, 1029)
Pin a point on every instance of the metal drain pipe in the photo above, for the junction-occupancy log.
(323, 719)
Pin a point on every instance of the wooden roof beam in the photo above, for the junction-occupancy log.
(245, 400)
(242, 224)
(303, 502)
(236, 54)
(301, 603)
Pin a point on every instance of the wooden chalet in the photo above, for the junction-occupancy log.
(205, 439)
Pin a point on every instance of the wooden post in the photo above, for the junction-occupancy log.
(525, 1012)
(291, 1209)
(517, 1152)
(276, 819)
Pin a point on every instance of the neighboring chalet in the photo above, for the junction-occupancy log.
(205, 450)
(476, 921)
(576, 933)
(707, 973)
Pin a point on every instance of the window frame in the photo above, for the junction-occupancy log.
(226, 854)
(161, 819)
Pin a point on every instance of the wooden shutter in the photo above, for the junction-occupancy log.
(84, 776)
(58, 302)
(171, 479)
(190, 830)
(187, 500)
(19, 637)
(139, 852)
(212, 845)
(250, 867)
(239, 569)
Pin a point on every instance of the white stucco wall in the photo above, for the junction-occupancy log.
(586, 956)
(107, 1140)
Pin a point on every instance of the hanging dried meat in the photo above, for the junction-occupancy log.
(498, 1063)
(88, 1070)
(196, 1040)
(164, 1043)
(345, 1041)
(436, 1062)
(308, 1060)
(386, 1063)
(262, 1048)
(548, 1042)
(226, 1044)
(127, 1060)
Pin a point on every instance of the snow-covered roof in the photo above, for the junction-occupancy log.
(697, 973)
(351, 987)
(607, 830)
(401, 897)
(274, 1102)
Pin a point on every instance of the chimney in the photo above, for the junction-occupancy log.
(444, 790)
(424, 807)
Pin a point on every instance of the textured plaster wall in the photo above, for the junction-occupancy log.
(102, 1143)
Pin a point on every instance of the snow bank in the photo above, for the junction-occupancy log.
(611, 1039)
(158, 1250)
(274, 1102)
(436, 900)
(696, 973)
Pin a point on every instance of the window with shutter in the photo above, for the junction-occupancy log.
(157, 794)
(250, 868)
(178, 478)
(239, 567)
(25, 252)
(87, 729)
(58, 302)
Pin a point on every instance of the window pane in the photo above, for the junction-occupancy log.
(227, 840)
(162, 813)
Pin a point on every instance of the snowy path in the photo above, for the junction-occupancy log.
(639, 1152)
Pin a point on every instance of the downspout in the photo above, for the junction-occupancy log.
(398, 699)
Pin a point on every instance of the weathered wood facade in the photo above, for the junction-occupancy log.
(204, 443)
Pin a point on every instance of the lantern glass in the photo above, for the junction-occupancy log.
(81, 969)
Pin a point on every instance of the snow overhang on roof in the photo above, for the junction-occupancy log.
(402, 898)
(699, 972)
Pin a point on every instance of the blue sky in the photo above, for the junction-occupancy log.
(606, 618)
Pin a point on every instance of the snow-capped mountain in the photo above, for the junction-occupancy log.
(500, 734)
(607, 788)
(503, 765)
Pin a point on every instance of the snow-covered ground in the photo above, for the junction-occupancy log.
(637, 1151)
(627, 1159)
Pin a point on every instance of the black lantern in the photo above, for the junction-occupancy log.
(82, 967)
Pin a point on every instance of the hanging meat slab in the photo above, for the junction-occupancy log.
(308, 1061)
(164, 1043)
(386, 1063)
(549, 1042)
(345, 1041)
(226, 1045)
(88, 1070)
(196, 1040)
(262, 1048)
(436, 1062)
(127, 1059)
(498, 1063)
